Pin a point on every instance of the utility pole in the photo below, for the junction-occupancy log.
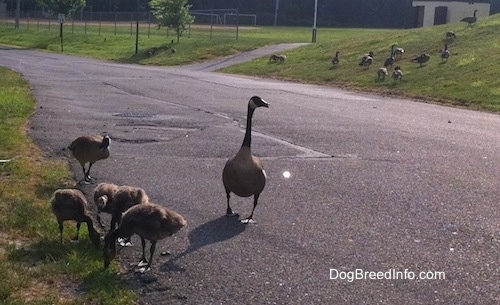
(18, 13)
(276, 12)
(314, 22)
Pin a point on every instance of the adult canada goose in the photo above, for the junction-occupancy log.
(71, 204)
(244, 174)
(471, 19)
(90, 149)
(422, 59)
(398, 53)
(336, 58)
(381, 73)
(445, 53)
(151, 222)
(367, 60)
(390, 60)
(397, 74)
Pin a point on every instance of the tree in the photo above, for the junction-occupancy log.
(172, 14)
(66, 7)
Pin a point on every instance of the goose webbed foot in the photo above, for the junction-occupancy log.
(124, 242)
(143, 262)
(231, 213)
(143, 269)
(248, 220)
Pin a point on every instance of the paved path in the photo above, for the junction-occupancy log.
(377, 184)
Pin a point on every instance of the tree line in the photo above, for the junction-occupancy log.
(331, 13)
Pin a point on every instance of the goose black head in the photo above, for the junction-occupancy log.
(257, 101)
(105, 143)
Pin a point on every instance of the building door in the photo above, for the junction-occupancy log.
(418, 13)
(440, 15)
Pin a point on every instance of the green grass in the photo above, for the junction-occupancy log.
(33, 263)
(467, 79)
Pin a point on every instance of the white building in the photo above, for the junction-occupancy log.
(434, 12)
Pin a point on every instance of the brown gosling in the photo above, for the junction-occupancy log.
(244, 174)
(381, 73)
(103, 196)
(151, 222)
(71, 204)
(90, 149)
(124, 198)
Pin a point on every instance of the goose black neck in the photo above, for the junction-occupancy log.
(247, 141)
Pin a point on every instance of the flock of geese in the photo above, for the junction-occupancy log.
(131, 210)
(396, 53)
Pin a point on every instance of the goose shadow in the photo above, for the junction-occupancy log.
(213, 231)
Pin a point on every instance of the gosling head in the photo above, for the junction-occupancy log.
(257, 101)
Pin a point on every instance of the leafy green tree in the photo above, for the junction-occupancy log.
(67, 7)
(172, 14)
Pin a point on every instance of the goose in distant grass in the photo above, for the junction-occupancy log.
(244, 174)
(397, 74)
(381, 73)
(398, 53)
(336, 58)
(450, 35)
(390, 60)
(471, 19)
(422, 59)
(367, 60)
(71, 204)
(445, 53)
(151, 222)
(90, 149)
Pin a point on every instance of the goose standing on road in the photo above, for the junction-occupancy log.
(90, 149)
(244, 174)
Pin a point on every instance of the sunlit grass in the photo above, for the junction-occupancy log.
(35, 268)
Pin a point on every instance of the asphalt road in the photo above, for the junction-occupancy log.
(377, 184)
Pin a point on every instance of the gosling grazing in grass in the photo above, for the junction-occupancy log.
(367, 60)
(151, 222)
(471, 19)
(71, 204)
(422, 59)
(244, 174)
(336, 58)
(90, 149)
(445, 53)
(397, 74)
(381, 73)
